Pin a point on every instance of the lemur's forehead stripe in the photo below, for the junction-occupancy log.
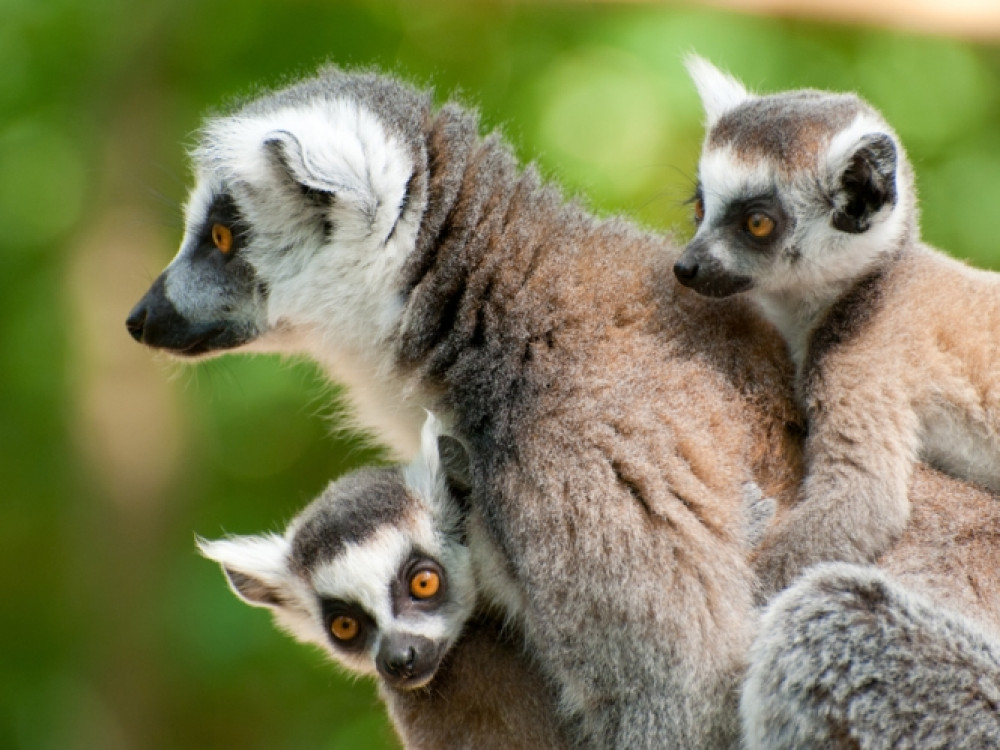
(791, 129)
(350, 511)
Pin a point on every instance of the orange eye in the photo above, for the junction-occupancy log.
(344, 628)
(425, 584)
(759, 225)
(222, 236)
(699, 210)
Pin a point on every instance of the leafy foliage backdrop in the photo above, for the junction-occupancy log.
(114, 634)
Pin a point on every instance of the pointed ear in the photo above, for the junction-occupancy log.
(865, 180)
(719, 91)
(325, 169)
(455, 465)
(423, 474)
(442, 464)
(256, 567)
(288, 156)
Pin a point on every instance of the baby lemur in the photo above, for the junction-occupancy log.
(806, 201)
(377, 571)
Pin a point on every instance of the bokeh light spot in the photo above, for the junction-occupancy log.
(602, 113)
(42, 183)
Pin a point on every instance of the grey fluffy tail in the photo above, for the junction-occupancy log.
(848, 658)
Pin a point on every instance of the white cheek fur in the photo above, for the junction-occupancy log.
(348, 282)
(338, 297)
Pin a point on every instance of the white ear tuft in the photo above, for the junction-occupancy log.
(719, 91)
(289, 154)
(424, 475)
(255, 566)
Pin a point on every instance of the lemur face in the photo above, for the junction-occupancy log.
(375, 571)
(392, 604)
(743, 227)
(304, 204)
(794, 189)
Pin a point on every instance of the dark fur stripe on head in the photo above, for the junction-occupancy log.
(788, 129)
(350, 510)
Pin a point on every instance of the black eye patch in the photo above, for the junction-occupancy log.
(224, 212)
(697, 203)
(763, 202)
(737, 212)
(407, 599)
(335, 613)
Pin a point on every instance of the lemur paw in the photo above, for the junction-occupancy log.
(775, 568)
(758, 512)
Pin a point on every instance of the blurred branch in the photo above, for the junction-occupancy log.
(970, 19)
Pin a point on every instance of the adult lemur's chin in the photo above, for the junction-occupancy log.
(806, 201)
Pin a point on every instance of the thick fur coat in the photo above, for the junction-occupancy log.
(614, 419)
(452, 671)
(808, 204)
(848, 658)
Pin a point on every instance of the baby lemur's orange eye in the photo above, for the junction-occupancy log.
(425, 584)
(760, 225)
(344, 628)
(222, 236)
(699, 210)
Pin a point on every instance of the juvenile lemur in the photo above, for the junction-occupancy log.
(806, 201)
(613, 418)
(377, 571)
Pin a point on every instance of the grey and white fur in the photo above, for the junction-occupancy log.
(378, 573)
(806, 202)
(609, 443)
(613, 419)
(848, 658)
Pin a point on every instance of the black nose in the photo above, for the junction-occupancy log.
(399, 662)
(406, 659)
(685, 270)
(136, 321)
(154, 321)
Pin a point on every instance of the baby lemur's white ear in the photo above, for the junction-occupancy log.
(719, 91)
(255, 566)
(864, 178)
(424, 474)
(440, 472)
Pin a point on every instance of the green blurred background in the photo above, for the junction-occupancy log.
(114, 633)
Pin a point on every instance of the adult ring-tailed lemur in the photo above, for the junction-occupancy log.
(613, 419)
